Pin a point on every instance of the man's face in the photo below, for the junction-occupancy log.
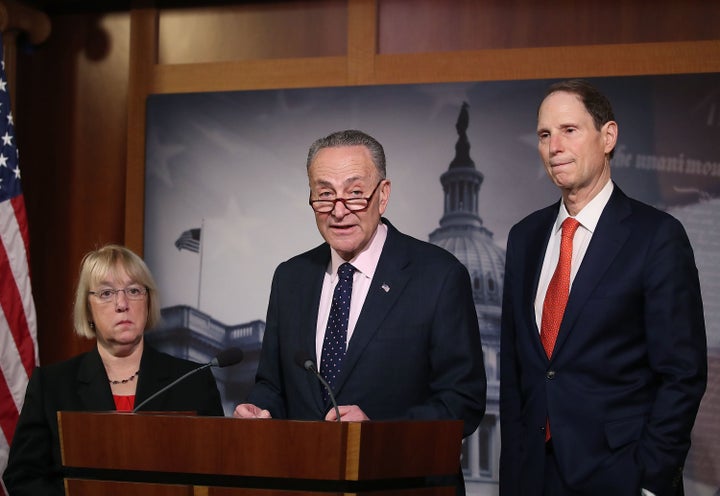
(572, 149)
(347, 172)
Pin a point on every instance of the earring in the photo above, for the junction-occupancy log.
(92, 325)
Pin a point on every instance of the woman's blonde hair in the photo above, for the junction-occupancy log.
(96, 266)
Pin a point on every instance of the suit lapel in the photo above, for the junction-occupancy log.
(310, 297)
(309, 301)
(606, 242)
(92, 384)
(391, 277)
(535, 248)
(153, 376)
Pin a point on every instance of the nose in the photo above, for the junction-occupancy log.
(121, 301)
(554, 144)
(339, 210)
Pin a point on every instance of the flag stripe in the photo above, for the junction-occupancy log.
(8, 416)
(15, 294)
(18, 204)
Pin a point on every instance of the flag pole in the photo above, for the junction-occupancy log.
(202, 237)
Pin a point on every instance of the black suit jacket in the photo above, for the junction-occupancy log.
(81, 384)
(629, 367)
(415, 352)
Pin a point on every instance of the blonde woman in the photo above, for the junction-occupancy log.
(116, 302)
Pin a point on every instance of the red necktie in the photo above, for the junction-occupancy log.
(557, 293)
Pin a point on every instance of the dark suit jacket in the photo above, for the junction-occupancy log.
(415, 352)
(630, 364)
(81, 384)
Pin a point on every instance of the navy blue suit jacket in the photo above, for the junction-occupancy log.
(415, 352)
(81, 384)
(629, 367)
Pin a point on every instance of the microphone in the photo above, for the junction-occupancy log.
(304, 361)
(225, 358)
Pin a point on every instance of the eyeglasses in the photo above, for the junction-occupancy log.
(352, 204)
(106, 295)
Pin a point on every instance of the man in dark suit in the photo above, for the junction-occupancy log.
(599, 389)
(411, 347)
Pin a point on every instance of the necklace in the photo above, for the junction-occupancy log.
(124, 381)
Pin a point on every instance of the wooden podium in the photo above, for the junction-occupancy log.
(125, 454)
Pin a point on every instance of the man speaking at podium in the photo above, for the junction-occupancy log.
(390, 318)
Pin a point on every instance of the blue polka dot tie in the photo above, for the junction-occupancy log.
(333, 350)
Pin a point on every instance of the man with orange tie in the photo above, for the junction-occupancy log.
(603, 347)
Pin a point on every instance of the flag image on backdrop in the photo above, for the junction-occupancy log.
(18, 334)
(189, 240)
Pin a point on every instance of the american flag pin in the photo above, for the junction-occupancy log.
(385, 287)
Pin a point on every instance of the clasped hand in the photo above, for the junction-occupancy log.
(348, 413)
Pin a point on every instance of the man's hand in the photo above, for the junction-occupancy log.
(348, 413)
(248, 410)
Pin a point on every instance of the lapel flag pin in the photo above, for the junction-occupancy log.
(385, 287)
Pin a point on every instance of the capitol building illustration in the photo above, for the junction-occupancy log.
(189, 333)
(462, 233)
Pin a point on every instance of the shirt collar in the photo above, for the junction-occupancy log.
(366, 261)
(590, 214)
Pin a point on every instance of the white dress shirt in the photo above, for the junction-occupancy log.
(365, 264)
(588, 218)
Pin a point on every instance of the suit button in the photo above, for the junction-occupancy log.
(550, 375)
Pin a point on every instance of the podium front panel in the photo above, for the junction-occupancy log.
(172, 453)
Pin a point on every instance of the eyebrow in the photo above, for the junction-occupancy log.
(562, 126)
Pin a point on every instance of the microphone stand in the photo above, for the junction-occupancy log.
(330, 393)
(162, 390)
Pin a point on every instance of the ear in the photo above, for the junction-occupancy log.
(609, 133)
(384, 196)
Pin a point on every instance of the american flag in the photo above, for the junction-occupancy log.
(18, 336)
(189, 240)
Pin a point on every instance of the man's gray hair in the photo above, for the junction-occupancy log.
(350, 137)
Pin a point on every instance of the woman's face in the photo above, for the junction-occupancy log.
(119, 309)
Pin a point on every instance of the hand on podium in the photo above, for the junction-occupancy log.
(348, 413)
(248, 410)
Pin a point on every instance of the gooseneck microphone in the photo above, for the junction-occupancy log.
(304, 361)
(225, 358)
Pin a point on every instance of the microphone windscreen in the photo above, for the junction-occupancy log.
(304, 361)
(228, 357)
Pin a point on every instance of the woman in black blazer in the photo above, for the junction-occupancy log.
(116, 302)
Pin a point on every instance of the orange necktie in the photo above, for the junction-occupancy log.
(557, 293)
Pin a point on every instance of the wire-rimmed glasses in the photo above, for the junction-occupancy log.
(352, 204)
(106, 295)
